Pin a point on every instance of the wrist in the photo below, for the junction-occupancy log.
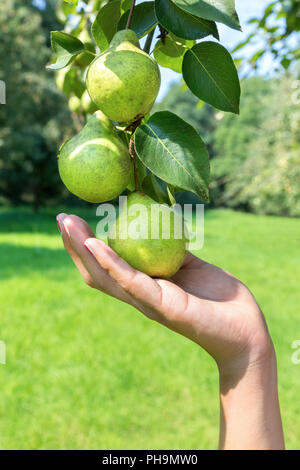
(254, 361)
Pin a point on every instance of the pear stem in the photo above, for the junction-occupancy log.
(133, 154)
(90, 52)
(163, 33)
(130, 15)
(149, 41)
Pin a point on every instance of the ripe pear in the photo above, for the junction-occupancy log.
(87, 104)
(95, 165)
(158, 255)
(123, 81)
(74, 104)
(60, 78)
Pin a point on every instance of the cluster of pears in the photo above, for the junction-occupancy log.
(95, 165)
(84, 104)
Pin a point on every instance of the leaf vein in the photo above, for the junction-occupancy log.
(213, 80)
(168, 151)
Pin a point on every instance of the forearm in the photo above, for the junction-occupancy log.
(250, 413)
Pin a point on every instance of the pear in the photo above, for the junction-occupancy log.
(123, 81)
(74, 104)
(60, 78)
(131, 238)
(87, 104)
(95, 165)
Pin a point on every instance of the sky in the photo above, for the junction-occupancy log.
(229, 38)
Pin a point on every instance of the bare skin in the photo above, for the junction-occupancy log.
(212, 308)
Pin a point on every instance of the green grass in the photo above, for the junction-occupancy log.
(87, 372)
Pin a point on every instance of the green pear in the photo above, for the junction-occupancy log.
(84, 58)
(60, 78)
(87, 104)
(123, 81)
(74, 104)
(95, 165)
(131, 237)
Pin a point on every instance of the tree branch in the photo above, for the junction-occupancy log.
(133, 154)
(130, 15)
(163, 33)
(149, 41)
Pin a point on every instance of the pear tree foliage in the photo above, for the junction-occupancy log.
(181, 35)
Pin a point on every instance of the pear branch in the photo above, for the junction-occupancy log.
(133, 154)
(130, 15)
(149, 41)
(163, 33)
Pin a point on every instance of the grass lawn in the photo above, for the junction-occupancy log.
(84, 371)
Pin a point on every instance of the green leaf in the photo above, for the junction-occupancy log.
(244, 43)
(69, 7)
(181, 23)
(143, 19)
(222, 11)
(210, 74)
(141, 171)
(95, 5)
(73, 83)
(171, 190)
(174, 151)
(285, 62)
(170, 53)
(66, 48)
(156, 189)
(126, 4)
(105, 25)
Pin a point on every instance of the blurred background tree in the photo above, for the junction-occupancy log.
(35, 119)
(275, 33)
(255, 156)
(267, 180)
(233, 137)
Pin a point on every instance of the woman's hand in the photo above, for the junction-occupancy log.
(202, 302)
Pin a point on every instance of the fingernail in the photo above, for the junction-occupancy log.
(59, 220)
(58, 225)
(66, 229)
(89, 248)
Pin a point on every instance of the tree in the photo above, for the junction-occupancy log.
(233, 136)
(256, 164)
(268, 181)
(276, 32)
(35, 118)
(49, 18)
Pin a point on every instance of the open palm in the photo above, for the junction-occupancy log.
(201, 301)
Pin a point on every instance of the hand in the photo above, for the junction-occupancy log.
(201, 302)
(212, 308)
